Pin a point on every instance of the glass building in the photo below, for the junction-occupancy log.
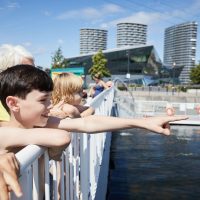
(140, 62)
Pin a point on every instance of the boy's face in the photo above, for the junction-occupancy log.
(34, 109)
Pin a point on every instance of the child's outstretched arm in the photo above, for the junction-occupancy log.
(9, 168)
(95, 124)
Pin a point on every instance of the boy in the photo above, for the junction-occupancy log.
(26, 100)
(23, 94)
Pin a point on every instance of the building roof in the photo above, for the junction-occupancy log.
(113, 50)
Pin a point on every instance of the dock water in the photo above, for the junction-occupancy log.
(149, 166)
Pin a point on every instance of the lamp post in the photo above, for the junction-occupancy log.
(173, 89)
(174, 65)
(128, 76)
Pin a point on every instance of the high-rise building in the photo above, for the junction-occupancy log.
(129, 34)
(91, 40)
(180, 47)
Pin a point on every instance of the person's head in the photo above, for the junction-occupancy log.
(14, 55)
(109, 83)
(67, 87)
(25, 93)
(96, 77)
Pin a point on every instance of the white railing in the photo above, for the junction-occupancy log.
(159, 108)
(79, 168)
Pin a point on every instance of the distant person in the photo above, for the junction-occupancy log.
(197, 108)
(99, 86)
(9, 56)
(170, 111)
(109, 83)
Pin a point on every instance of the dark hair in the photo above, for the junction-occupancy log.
(20, 80)
(98, 76)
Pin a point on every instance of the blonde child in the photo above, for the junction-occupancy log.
(67, 96)
(68, 89)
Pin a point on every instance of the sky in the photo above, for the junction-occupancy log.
(42, 26)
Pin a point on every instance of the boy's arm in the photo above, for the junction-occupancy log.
(104, 85)
(17, 137)
(95, 124)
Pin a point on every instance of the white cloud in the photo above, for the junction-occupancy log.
(10, 6)
(13, 5)
(60, 41)
(139, 17)
(27, 44)
(67, 15)
(112, 8)
(91, 13)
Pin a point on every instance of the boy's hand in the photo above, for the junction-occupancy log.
(9, 168)
(161, 124)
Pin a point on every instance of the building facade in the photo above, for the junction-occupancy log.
(91, 40)
(143, 63)
(180, 48)
(129, 34)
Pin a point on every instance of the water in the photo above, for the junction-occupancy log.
(151, 166)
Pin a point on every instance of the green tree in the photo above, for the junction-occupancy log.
(58, 60)
(99, 65)
(195, 74)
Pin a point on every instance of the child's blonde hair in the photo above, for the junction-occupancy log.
(65, 86)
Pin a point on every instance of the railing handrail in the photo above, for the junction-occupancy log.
(24, 157)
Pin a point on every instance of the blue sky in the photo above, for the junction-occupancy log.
(44, 25)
